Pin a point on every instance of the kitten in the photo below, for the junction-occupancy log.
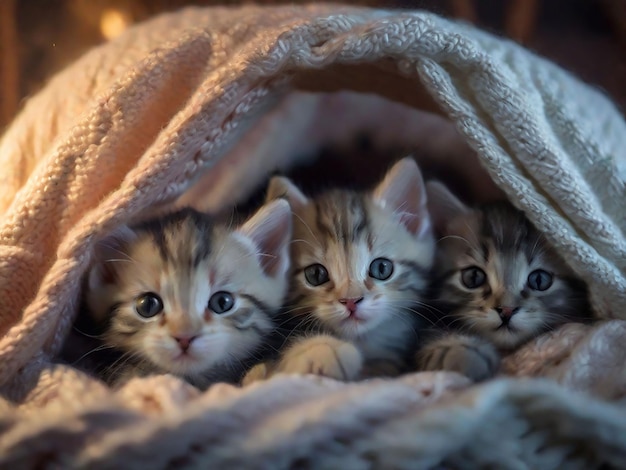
(184, 296)
(499, 284)
(359, 267)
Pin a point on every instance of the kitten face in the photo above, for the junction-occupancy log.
(185, 296)
(360, 261)
(501, 277)
(371, 268)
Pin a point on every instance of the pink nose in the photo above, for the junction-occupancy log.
(184, 342)
(351, 303)
(506, 312)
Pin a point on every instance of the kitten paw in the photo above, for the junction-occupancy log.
(473, 357)
(322, 355)
(258, 372)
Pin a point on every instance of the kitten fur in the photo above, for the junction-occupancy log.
(500, 305)
(220, 289)
(359, 320)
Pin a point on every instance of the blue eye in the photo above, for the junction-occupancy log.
(221, 302)
(148, 305)
(540, 280)
(316, 275)
(381, 269)
(473, 277)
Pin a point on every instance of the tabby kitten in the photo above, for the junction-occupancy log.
(499, 283)
(181, 295)
(360, 263)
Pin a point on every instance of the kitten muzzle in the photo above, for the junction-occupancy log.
(351, 304)
(505, 313)
(184, 342)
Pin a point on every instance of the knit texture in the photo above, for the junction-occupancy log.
(207, 95)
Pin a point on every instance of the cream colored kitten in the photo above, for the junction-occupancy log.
(359, 269)
(181, 295)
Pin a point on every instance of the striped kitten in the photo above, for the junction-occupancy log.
(183, 296)
(359, 266)
(499, 284)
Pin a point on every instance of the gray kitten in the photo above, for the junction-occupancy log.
(184, 296)
(497, 282)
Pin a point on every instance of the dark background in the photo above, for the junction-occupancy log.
(39, 37)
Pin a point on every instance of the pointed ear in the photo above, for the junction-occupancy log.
(281, 187)
(443, 205)
(270, 231)
(112, 247)
(402, 191)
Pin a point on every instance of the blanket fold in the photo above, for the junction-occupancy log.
(199, 107)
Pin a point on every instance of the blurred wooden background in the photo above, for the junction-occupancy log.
(39, 37)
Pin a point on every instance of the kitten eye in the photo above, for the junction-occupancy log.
(316, 275)
(148, 305)
(381, 268)
(473, 277)
(221, 302)
(539, 280)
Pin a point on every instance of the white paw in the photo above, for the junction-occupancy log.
(471, 356)
(322, 355)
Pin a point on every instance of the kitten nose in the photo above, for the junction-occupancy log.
(351, 303)
(506, 312)
(184, 341)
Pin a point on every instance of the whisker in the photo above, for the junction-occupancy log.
(471, 230)
(413, 311)
(302, 240)
(86, 335)
(96, 349)
(455, 237)
(118, 250)
(319, 245)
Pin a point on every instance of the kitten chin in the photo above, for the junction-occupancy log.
(182, 295)
(360, 264)
(496, 276)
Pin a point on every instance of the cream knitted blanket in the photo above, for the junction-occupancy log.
(207, 95)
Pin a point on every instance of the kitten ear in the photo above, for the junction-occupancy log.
(270, 231)
(107, 250)
(402, 191)
(443, 205)
(281, 187)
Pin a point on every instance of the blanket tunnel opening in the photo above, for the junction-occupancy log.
(322, 133)
(200, 108)
(325, 132)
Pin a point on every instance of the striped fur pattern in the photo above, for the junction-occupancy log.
(360, 264)
(497, 278)
(182, 295)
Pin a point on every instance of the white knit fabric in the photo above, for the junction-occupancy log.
(131, 126)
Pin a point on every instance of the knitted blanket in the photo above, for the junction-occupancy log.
(198, 107)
